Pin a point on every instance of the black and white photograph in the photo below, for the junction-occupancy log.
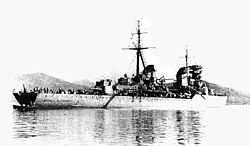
(125, 73)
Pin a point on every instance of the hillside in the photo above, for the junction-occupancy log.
(235, 97)
(84, 82)
(43, 80)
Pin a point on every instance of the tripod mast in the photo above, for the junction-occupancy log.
(138, 47)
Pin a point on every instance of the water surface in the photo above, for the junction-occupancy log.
(131, 127)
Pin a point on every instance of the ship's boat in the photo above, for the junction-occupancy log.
(143, 90)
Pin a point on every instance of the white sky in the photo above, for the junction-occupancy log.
(75, 40)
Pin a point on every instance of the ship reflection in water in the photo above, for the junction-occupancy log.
(108, 127)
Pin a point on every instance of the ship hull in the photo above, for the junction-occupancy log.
(25, 99)
(99, 101)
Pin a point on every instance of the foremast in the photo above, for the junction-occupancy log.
(138, 47)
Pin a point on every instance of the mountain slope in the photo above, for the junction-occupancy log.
(234, 96)
(84, 82)
(42, 80)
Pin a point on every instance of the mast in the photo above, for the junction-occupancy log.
(187, 67)
(138, 47)
(186, 56)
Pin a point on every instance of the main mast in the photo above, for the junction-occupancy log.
(138, 47)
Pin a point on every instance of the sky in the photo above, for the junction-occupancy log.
(75, 40)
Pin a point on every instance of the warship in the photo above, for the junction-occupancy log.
(142, 90)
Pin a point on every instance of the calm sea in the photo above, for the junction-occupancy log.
(229, 125)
